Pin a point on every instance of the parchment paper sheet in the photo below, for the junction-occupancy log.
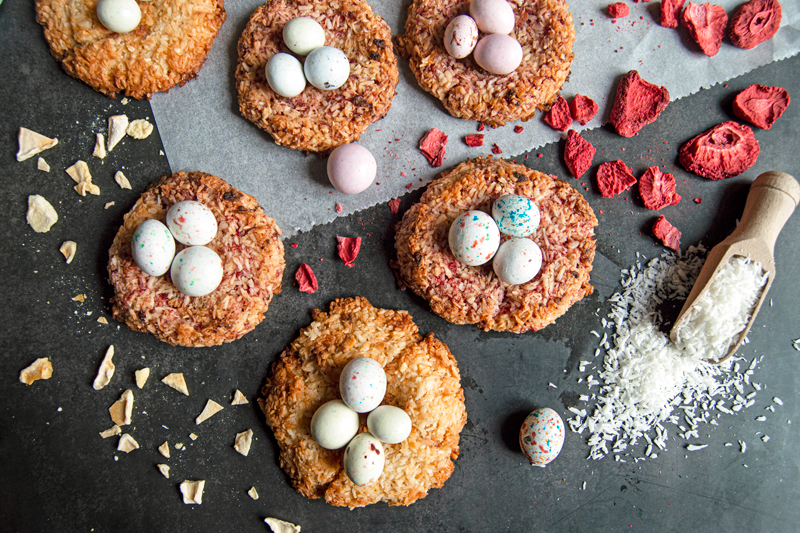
(201, 127)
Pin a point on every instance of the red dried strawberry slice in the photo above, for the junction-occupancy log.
(306, 280)
(669, 235)
(348, 249)
(614, 177)
(658, 189)
(582, 108)
(754, 22)
(558, 117)
(636, 104)
(671, 12)
(474, 139)
(725, 150)
(706, 24)
(618, 10)
(761, 105)
(433, 145)
(578, 153)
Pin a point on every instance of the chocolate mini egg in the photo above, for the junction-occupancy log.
(285, 75)
(516, 216)
(363, 459)
(389, 424)
(192, 223)
(121, 16)
(498, 54)
(196, 270)
(492, 16)
(334, 424)
(461, 36)
(351, 168)
(542, 436)
(517, 261)
(474, 238)
(362, 384)
(153, 247)
(302, 35)
(327, 68)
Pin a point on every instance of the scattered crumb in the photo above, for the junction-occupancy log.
(209, 410)
(122, 409)
(193, 491)
(41, 215)
(695, 447)
(279, 526)
(124, 101)
(243, 442)
(178, 445)
(742, 446)
(176, 381)
(765, 438)
(193, 436)
(127, 444)
(554, 386)
(117, 125)
(777, 400)
(68, 249)
(32, 143)
(164, 469)
(42, 368)
(253, 493)
(110, 432)
(106, 370)
(41, 164)
(79, 172)
(394, 205)
(100, 147)
(108, 204)
(238, 398)
(164, 449)
(121, 180)
(141, 377)
(338, 208)
(139, 129)
(79, 298)
(102, 320)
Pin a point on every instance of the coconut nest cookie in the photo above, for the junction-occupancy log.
(318, 120)
(422, 379)
(248, 243)
(474, 294)
(543, 28)
(168, 47)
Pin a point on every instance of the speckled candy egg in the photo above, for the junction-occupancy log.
(474, 238)
(334, 424)
(303, 34)
(363, 459)
(493, 16)
(327, 68)
(351, 168)
(389, 424)
(461, 36)
(153, 247)
(516, 216)
(285, 75)
(362, 384)
(196, 270)
(517, 261)
(498, 54)
(542, 436)
(121, 16)
(192, 223)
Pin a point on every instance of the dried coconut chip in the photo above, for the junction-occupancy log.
(141, 376)
(100, 147)
(32, 143)
(102, 320)
(348, 249)
(192, 491)
(243, 442)
(41, 164)
(107, 205)
(79, 298)
(41, 215)
(238, 398)
(42, 368)
(111, 432)
(79, 172)
(121, 180)
(164, 469)
(193, 436)
(106, 371)
(122, 409)
(164, 449)
(127, 443)
(139, 129)
(68, 249)
(209, 410)
(279, 526)
(117, 126)
(253, 493)
(176, 381)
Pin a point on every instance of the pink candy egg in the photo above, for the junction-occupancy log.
(542, 436)
(351, 168)
(498, 54)
(474, 238)
(492, 16)
(461, 36)
(191, 223)
(517, 261)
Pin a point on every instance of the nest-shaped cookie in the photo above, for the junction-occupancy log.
(247, 241)
(543, 28)
(317, 120)
(474, 294)
(422, 379)
(168, 47)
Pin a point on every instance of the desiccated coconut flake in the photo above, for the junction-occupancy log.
(164, 469)
(193, 436)
(554, 386)
(761, 418)
(742, 446)
(765, 438)
(42, 368)
(139, 129)
(41, 215)
(193, 491)
(68, 249)
(110, 432)
(279, 526)
(100, 147)
(117, 126)
(41, 164)
(32, 143)
(239, 398)
(777, 400)
(141, 376)
(253, 493)
(164, 449)
(176, 381)
(106, 370)
(243, 442)
(79, 298)
(79, 172)
(121, 180)
(127, 443)
(108, 204)
(122, 409)
(209, 410)
(695, 447)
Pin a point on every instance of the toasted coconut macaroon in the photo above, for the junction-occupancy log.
(474, 294)
(543, 28)
(422, 378)
(317, 120)
(248, 243)
(168, 47)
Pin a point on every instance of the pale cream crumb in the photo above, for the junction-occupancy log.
(253, 493)
(238, 398)
(42, 368)
(42, 165)
(121, 180)
(193, 491)
(100, 146)
(164, 469)
(122, 409)
(68, 249)
(127, 443)
(108, 204)
(117, 125)
(102, 320)
(243, 442)
(141, 376)
(79, 298)
(41, 215)
(110, 432)
(164, 449)
(32, 143)
(176, 381)
(139, 129)
(209, 410)
(106, 370)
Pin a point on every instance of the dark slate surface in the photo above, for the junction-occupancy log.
(57, 474)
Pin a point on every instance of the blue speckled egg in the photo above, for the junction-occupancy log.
(516, 216)
(474, 238)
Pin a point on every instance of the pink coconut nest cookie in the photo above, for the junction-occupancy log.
(248, 243)
(543, 28)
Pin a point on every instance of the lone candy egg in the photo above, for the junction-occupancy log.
(498, 54)
(461, 36)
(474, 238)
(542, 436)
(152, 247)
(362, 384)
(351, 168)
(517, 261)
(192, 223)
(303, 34)
(196, 271)
(334, 424)
(363, 459)
(327, 68)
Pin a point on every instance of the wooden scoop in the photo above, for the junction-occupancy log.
(772, 198)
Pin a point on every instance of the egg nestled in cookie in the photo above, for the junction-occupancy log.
(121, 16)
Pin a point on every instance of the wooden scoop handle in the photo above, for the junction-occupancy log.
(771, 201)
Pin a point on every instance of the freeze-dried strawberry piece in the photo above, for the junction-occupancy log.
(618, 10)
(725, 150)
(474, 139)
(306, 279)
(348, 249)
(613, 177)
(578, 153)
(433, 145)
(761, 105)
(658, 189)
(754, 22)
(671, 12)
(582, 108)
(394, 205)
(558, 117)
(669, 235)
(706, 24)
(496, 149)
(637, 104)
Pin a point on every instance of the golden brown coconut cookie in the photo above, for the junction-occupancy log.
(422, 379)
(168, 47)
(474, 294)
(543, 28)
(318, 120)
(248, 243)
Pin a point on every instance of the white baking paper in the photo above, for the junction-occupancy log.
(201, 127)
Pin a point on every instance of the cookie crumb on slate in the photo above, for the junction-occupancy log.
(193, 491)
(176, 381)
(209, 410)
(239, 398)
(68, 249)
(243, 442)
(42, 368)
(32, 143)
(141, 376)
(41, 215)
(106, 370)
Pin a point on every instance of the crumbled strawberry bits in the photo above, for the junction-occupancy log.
(613, 177)
(669, 235)
(725, 150)
(306, 280)
(754, 22)
(658, 189)
(706, 24)
(636, 104)
(618, 10)
(761, 105)
(583, 109)
(671, 12)
(474, 140)
(578, 153)
(433, 146)
(559, 117)
(348, 249)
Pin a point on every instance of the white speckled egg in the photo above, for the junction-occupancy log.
(285, 75)
(351, 168)
(389, 424)
(362, 384)
(121, 16)
(516, 216)
(363, 459)
(327, 68)
(542, 436)
(192, 223)
(461, 36)
(474, 238)
(493, 16)
(303, 34)
(517, 261)
(498, 54)
(196, 270)
(153, 247)
(334, 424)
